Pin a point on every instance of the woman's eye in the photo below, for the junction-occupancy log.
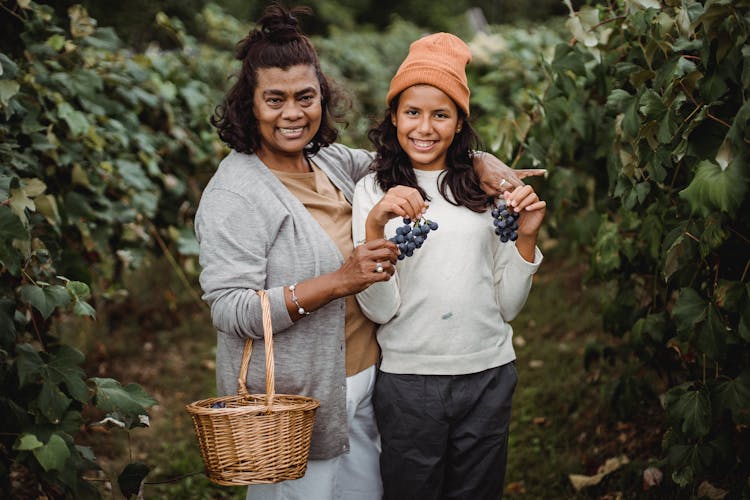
(411, 112)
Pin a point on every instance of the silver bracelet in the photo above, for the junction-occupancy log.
(300, 309)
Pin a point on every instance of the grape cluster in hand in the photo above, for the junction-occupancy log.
(411, 236)
(506, 222)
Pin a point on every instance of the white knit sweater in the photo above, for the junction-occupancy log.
(446, 309)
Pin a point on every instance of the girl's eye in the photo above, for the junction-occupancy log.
(411, 112)
(441, 115)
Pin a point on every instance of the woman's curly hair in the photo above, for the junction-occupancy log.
(275, 42)
(459, 185)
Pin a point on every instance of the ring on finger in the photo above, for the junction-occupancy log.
(502, 183)
(379, 268)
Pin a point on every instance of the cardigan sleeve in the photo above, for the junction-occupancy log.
(234, 240)
(380, 301)
(355, 161)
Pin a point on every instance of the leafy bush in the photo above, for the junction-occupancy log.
(102, 154)
(646, 125)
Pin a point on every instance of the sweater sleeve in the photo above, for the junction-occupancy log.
(355, 161)
(380, 301)
(513, 278)
(233, 240)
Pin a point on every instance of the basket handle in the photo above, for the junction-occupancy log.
(248, 350)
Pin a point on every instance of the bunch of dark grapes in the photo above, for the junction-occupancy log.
(411, 236)
(506, 222)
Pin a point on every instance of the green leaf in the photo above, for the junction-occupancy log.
(8, 89)
(667, 129)
(131, 478)
(651, 105)
(739, 130)
(11, 228)
(45, 299)
(713, 87)
(64, 368)
(693, 409)
(8, 69)
(647, 4)
(54, 454)
(567, 59)
(76, 121)
(683, 476)
(78, 290)
(606, 252)
(715, 189)
(133, 175)
(52, 402)
(711, 336)
(27, 442)
(131, 400)
(631, 122)
(734, 394)
(619, 99)
(730, 295)
(652, 326)
(83, 308)
(689, 309)
(29, 364)
(56, 42)
(679, 254)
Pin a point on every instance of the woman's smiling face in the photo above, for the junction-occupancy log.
(287, 104)
(426, 122)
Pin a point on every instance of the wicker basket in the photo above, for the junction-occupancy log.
(255, 438)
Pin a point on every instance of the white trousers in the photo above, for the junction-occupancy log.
(352, 476)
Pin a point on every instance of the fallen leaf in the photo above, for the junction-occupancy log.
(580, 481)
(536, 363)
(708, 490)
(515, 488)
(651, 477)
(539, 420)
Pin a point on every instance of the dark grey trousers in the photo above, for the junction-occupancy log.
(444, 436)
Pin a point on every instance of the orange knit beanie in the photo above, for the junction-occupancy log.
(439, 60)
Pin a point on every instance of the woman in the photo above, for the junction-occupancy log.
(443, 393)
(277, 216)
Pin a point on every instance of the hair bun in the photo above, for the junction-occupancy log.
(280, 25)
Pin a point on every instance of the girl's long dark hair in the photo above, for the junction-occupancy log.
(275, 42)
(459, 185)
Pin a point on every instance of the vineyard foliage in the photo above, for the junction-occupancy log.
(645, 124)
(101, 151)
(638, 109)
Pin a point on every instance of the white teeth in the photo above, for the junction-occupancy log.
(422, 144)
(290, 131)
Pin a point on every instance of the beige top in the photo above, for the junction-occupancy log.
(333, 212)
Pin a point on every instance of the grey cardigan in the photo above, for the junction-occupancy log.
(254, 234)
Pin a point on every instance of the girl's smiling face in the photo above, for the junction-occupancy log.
(426, 122)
